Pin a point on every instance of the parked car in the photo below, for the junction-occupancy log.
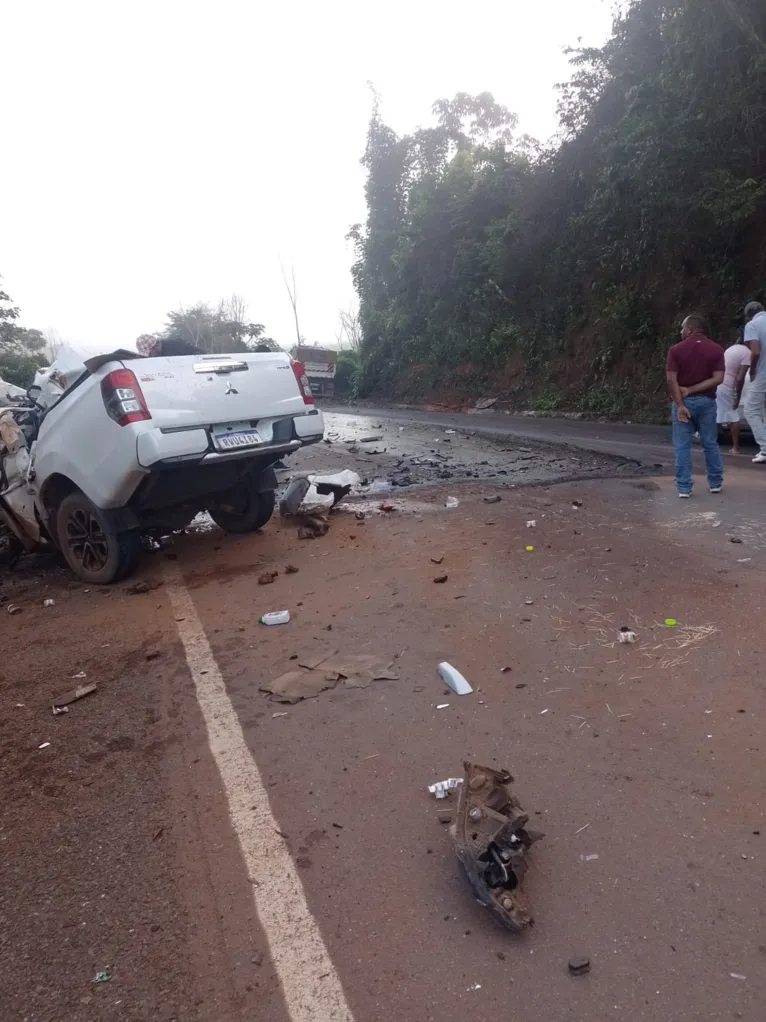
(104, 451)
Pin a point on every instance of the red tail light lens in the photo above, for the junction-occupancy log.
(123, 398)
(303, 382)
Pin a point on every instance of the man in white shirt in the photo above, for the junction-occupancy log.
(755, 406)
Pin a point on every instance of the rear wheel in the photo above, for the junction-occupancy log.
(91, 546)
(243, 509)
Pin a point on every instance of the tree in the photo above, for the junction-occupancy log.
(349, 334)
(557, 274)
(219, 329)
(22, 350)
(292, 292)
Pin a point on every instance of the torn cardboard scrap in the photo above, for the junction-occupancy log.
(321, 671)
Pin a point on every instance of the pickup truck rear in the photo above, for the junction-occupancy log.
(120, 446)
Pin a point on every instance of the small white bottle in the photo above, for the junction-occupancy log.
(276, 617)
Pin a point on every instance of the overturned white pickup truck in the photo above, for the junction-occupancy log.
(104, 451)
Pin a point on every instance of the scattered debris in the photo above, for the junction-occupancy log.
(491, 841)
(442, 706)
(73, 695)
(579, 966)
(493, 500)
(589, 858)
(576, 504)
(737, 975)
(153, 654)
(359, 515)
(45, 745)
(80, 674)
(290, 569)
(485, 402)
(734, 539)
(313, 527)
(104, 975)
(441, 578)
(451, 502)
(529, 603)
(386, 507)
(437, 560)
(139, 588)
(283, 714)
(532, 523)
(275, 617)
(671, 622)
(627, 635)
(323, 671)
(474, 986)
(529, 549)
(57, 710)
(49, 603)
(453, 679)
(505, 670)
(14, 608)
(267, 578)
(442, 788)
(584, 827)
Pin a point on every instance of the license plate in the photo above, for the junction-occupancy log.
(232, 441)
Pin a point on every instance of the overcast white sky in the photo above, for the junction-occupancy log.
(166, 152)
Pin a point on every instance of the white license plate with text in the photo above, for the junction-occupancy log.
(233, 441)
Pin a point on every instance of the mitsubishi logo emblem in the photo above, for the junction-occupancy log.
(230, 389)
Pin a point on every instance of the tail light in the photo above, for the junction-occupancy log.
(123, 398)
(303, 382)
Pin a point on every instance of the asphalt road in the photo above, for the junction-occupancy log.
(649, 445)
(181, 846)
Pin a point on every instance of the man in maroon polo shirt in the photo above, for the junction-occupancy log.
(695, 367)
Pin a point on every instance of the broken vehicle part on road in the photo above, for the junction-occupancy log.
(491, 842)
(452, 678)
(442, 788)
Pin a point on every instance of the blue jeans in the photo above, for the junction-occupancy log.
(703, 420)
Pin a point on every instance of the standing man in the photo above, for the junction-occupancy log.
(695, 367)
(755, 339)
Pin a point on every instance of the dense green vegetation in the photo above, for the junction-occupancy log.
(557, 276)
(22, 350)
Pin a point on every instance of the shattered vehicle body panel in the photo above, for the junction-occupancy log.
(491, 842)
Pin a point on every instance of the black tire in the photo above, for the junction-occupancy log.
(243, 509)
(91, 547)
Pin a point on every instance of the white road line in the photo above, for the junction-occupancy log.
(311, 986)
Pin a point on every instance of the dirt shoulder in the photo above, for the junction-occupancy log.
(116, 846)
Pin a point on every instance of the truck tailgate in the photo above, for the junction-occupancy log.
(184, 391)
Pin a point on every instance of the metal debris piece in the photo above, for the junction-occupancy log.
(73, 695)
(44, 745)
(531, 524)
(451, 502)
(442, 788)
(49, 603)
(370, 439)
(104, 975)
(491, 841)
(627, 635)
(14, 608)
(493, 500)
(579, 966)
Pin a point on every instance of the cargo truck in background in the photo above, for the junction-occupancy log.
(320, 365)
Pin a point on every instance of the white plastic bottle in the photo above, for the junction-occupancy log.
(275, 617)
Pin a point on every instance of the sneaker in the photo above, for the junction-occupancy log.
(716, 489)
(759, 458)
(689, 494)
